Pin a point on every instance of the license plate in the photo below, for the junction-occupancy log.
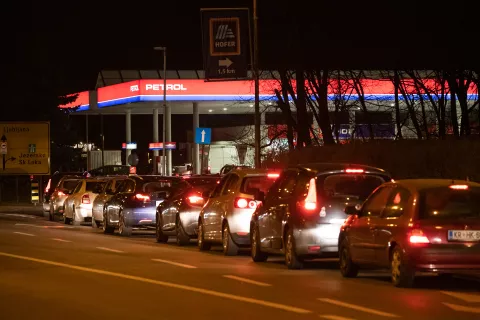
(464, 235)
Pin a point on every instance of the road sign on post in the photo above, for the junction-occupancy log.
(203, 135)
(226, 38)
(3, 147)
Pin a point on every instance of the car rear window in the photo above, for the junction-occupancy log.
(197, 182)
(92, 185)
(350, 185)
(448, 203)
(69, 184)
(251, 184)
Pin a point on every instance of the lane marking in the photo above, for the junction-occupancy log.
(19, 215)
(457, 307)
(175, 264)
(333, 317)
(25, 234)
(261, 284)
(61, 240)
(164, 284)
(25, 224)
(108, 249)
(463, 296)
(358, 308)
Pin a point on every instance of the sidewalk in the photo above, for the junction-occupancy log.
(24, 208)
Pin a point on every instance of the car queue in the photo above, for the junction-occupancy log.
(309, 211)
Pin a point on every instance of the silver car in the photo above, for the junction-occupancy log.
(225, 218)
(63, 189)
(103, 196)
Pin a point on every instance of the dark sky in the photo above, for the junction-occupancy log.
(76, 39)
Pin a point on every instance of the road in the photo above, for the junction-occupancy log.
(52, 271)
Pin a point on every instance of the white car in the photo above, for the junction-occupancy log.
(78, 205)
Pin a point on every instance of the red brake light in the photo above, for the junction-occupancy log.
(242, 203)
(310, 203)
(47, 188)
(142, 197)
(417, 236)
(273, 175)
(354, 170)
(86, 199)
(459, 187)
(195, 200)
(60, 193)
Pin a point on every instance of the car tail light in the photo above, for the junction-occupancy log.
(459, 187)
(351, 170)
(416, 236)
(243, 203)
(310, 202)
(142, 197)
(60, 193)
(195, 200)
(47, 188)
(86, 199)
(273, 175)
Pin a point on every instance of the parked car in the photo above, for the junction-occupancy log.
(109, 170)
(78, 205)
(135, 202)
(105, 192)
(59, 193)
(426, 225)
(225, 218)
(178, 214)
(303, 211)
(52, 185)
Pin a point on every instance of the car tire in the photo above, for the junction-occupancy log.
(123, 230)
(202, 245)
(182, 237)
(257, 254)
(348, 268)
(107, 228)
(66, 220)
(402, 274)
(159, 235)
(94, 223)
(229, 247)
(291, 259)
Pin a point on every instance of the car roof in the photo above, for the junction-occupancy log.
(251, 172)
(422, 184)
(327, 167)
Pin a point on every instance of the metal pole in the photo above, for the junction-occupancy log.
(155, 139)
(164, 109)
(196, 155)
(103, 140)
(86, 137)
(258, 157)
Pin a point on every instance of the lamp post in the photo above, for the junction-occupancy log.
(164, 159)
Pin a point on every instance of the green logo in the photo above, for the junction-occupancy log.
(32, 148)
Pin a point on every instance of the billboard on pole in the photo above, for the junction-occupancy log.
(226, 42)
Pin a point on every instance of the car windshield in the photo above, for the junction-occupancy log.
(251, 184)
(69, 184)
(350, 185)
(449, 203)
(93, 185)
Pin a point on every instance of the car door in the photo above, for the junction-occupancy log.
(268, 204)
(211, 207)
(362, 230)
(282, 206)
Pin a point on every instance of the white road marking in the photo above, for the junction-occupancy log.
(61, 240)
(25, 224)
(164, 284)
(25, 234)
(457, 307)
(108, 249)
(332, 317)
(261, 284)
(175, 264)
(358, 308)
(463, 296)
(19, 215)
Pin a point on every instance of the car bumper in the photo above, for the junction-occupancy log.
(318, 240)
(189, 220)
(46, 207)
(239, 225)
(84, 212)
(140, 217)
(455, 258)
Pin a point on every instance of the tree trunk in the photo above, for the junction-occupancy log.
(396, 84)
(303, 125)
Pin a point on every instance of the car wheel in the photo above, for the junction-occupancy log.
(291, 259)
(182, 237)
(257, 254)
(202, 245)
(402, 275)
(107, 228)
(160, 236)
(229, 247)
(123, 229)
(348, 269)
(94, 222)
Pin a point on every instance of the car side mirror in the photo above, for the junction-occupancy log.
(352, 210)
(206, 194)
(260, 196)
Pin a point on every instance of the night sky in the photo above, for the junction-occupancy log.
(71, 42)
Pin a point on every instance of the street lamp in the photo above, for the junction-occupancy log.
(164, 162)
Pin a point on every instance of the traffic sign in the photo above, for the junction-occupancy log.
(203, 135)
(28, 148)
(226, 38)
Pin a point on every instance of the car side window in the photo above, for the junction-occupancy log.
(218, 189)
(108, 186)
(78, 187)
(286, 187)
(397, 203)
(230, 184)
(127, 186)
(377, 202)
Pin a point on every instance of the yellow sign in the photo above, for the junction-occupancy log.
(28, 148)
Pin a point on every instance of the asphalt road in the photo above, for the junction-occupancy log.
(52, 271)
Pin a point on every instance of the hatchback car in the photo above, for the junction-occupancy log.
(105, 192)
(59, 193)
(78, 205)
(302, 213)
(225, 218)
(409, 226)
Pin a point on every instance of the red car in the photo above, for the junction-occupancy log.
(410, 226)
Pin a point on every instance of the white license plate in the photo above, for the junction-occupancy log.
(464, 235)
